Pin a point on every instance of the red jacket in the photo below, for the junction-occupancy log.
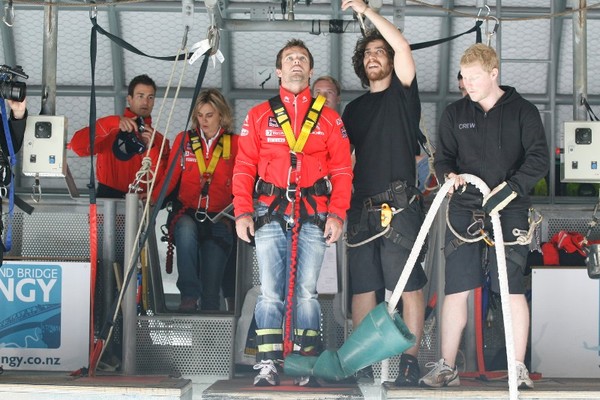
(111, 171)
(189, 191)
(264, 152)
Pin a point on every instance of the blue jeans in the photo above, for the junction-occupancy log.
(273, 252)
(202, 252)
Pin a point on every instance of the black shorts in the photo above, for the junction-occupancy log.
(379, 263)
(467, 264)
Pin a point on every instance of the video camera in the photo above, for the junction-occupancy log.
(10, 88)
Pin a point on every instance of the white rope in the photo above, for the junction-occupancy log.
(146, 167)
(130, 262)
(502, 275)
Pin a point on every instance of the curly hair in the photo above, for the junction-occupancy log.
(359, 55)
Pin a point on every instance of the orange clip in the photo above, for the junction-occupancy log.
(486, 238)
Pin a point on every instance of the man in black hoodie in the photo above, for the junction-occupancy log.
(497, 135)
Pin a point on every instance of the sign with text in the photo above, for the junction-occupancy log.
(44, 315)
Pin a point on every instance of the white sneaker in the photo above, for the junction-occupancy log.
(440, 375)
(523, 379)
(268, 375)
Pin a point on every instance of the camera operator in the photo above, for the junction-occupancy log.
(121, 142)
(16, 122)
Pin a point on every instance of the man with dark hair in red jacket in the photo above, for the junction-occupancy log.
(121, 142)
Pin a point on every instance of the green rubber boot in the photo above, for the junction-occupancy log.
(378, 337)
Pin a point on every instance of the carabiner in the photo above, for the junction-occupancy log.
(201, 213)
(493, 32)
(36, 194)
(475, 228)
(479, 18)
(93, 10)
(290, 190)
(213, 39)
(9, 10)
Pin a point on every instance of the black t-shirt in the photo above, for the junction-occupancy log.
(383, 128)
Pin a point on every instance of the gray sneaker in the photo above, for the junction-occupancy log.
(523, 379)
(268, 375)
(440, 375)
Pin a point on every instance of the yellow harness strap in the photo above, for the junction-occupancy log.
(223, 148)
(310, 121)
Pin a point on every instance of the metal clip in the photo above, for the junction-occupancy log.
(479, 17)
(9, 10)
(491, 33)
(164, 229)
(291, 188)
(213, 39)
(36, 194)
(475, 228)
(201, 213)
(290, 193)
(93, 10)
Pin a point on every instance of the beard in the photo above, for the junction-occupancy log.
(379, 74)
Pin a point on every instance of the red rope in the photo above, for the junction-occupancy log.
(95, 347)
(288, 345)
(477, 297)
(170, 245)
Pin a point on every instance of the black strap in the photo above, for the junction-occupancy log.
(593, 116)
(155, 210)
(127, 46)
(452, 246)
(398, 238)
(476, 28)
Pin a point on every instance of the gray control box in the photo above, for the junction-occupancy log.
(44, 146)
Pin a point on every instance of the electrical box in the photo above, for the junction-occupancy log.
(44, 146)
(564, 323)
(581, 153)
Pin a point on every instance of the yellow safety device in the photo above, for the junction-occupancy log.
(386, 215)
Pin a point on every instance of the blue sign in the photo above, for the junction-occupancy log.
(30, 306)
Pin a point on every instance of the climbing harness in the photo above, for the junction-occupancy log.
(287, 195)
(394, 200)
(223, 148)
(291, 194)
(476, 231)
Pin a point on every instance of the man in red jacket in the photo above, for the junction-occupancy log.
(300, 153)
(121, 142)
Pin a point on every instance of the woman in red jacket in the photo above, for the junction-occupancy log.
(202, 181)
